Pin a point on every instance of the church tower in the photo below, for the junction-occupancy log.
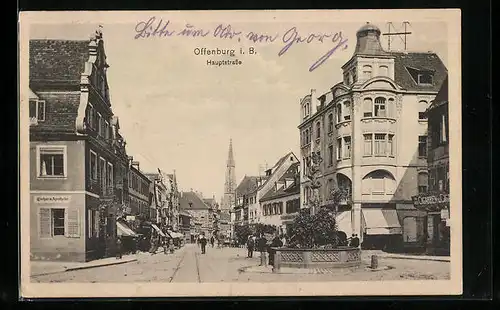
(230, 184)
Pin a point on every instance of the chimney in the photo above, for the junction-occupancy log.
(314, 102)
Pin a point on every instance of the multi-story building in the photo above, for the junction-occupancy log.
(371, 132)
(434, 198)
(252, 188)
(78, 162)
(139, 193)
(159, 207)
(281, 204)
(201, 213)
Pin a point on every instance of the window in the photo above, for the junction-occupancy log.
(52, 161)
(102, 173)
(390, 145)
(339, 113)
(390, 108)
(354, 76)
(347, 147)
(425, 78)
(58, 222)
(422, 106)
(308, 137)
(367, 72)
(347, 110)
(37, 109)
(442, 130)
(422, 146)
(383, 71)
(110, 177)
(318, 130)
(339, 149)
(330, 122)
(93, 223)
(330, 155)
(368, 150)
(106, 130)
(378, 184)
(380, 107)
(367, 107)
(379, 144)
(422, 182)
(99, 124)
(93, 166)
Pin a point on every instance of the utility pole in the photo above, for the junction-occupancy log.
(401, 34)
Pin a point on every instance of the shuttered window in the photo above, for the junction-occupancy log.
(367, 107)
(45, 223)
(368, 144)
(73, 223)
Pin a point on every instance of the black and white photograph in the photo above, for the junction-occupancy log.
(240, 153)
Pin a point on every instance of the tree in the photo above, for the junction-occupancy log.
(265, 229)
(311, 231)
(241, 233)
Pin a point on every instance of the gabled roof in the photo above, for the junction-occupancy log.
(418, 61)
(247, 186)
(192, 201)
(293, 189)
(57, 61)
(278, 164)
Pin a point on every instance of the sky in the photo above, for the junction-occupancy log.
(177, 113)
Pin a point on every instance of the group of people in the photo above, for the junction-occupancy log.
(262, 245)
(203, 241)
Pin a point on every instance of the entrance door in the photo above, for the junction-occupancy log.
(410, 234)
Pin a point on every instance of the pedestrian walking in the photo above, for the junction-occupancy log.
(212, 241)
(118, 248)
(276, 243)
(250, 246)
(203, 243)
(262, 247)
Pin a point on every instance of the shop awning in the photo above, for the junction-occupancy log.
(123, 230)
(175, 234)
(158, 230)
(343, 220)
(381, 222)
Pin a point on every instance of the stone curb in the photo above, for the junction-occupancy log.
(85, 267)
(435, 259)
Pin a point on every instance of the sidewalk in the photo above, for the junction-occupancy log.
(368, 253)
(43, 268)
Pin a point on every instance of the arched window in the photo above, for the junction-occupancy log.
(318, 130)
(380, 110)
(347, 110)
(383, 70)
(367, 107)
(344, 184)
(390, 108)
(339, 113)
(330, 122)
(423, 182)
(422, 106)
(378, 182)
(367, 72)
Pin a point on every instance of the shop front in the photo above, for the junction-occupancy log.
(381, 227)
(437, 207)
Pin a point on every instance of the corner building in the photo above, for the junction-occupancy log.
(371, 132)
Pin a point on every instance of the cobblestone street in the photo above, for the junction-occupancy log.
(232, 265)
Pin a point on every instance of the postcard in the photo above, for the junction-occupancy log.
(240, 153)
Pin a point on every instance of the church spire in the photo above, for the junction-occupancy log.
(230, 182)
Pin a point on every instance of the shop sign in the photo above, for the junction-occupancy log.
(286, 217)
(130, 217)
(52, 199)
(425, 200)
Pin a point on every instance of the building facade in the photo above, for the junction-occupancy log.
(78, 163)
(434, 199)
(248, 209)
(139, 194)
(281, 204)
(202, 214)
(370, 131)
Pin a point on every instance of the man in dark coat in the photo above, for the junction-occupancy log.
(262, 247)
(250, 246)
(118, 248)
(354, 241)
(276, 243)
(203, 242)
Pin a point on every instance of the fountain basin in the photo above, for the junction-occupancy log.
(341, 257)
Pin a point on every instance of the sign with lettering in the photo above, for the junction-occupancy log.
(422, 200)
(52, 199)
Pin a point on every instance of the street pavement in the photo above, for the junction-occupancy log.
(188, 265)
